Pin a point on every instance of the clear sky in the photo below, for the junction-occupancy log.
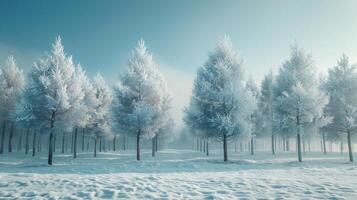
(179, 33)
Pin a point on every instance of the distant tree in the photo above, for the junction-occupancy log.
(266, 109)
(100, 124)
(138, 97)
(12, 83)
(341, 85)
(220, 105)
(299, 101)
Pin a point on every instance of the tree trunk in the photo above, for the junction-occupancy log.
(153, 147)
(10, 137)
(200, 145)
(75, 143)
(324, 143)
(63, 141)
(3, 137)
(225, 154)
(241, 147)
(272, 144)
(341, 147)
(204, 145)
(207, 152)
(138, 146)
(82, 139)
(303, 144)
(124, 143)
(34, 143)
(235, 147)
(50, 152)
(287, 141)
(299, 147)
(87, 144)
(350, 152)
(252, 145)
(72, 142)
(95, 147)
(27, 141)
(197, 143)
(114, 140)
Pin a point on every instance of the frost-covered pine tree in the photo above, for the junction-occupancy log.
(253, 93)
(53, 94)
(101, 100)
(341, 85)
(138, 97)
(299, 100)
(266, 108)
(12, 83)
(220, 106)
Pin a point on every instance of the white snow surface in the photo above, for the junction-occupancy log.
(178, 174)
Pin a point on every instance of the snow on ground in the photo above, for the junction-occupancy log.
(178, 174)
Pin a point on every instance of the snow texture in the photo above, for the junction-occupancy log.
(178, 174)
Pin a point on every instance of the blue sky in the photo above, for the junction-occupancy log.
(101, 34)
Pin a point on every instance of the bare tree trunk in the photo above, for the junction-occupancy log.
(3, 137)
(50, 152)
(10, 137)
(207, 152)
(124, 143)
(75, 143)
(72, 142)
(350, 152)
(225, 153)
(87, 144)
(95, 147)
(114, 140)
(82, 139)
(197, 143)
(153, 147)
(299, 147)
(241, 147)
(324, 143)
(27, 141)
(138, 146)
(341, 147)
(252, 145)
(34, 143)
(287, 141)
(235, 146)
(303, 144)
(272, 144)
(63, 141)
(204, 145)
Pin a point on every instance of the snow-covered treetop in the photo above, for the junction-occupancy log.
(140, 94)
(12, 83)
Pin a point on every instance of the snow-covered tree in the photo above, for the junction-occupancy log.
(253, 93)
(299, 100)
(53, 94)
(266, 108)
(100, 101)
(138, 97)
(220, 106)
(12, 83)
(341, 85)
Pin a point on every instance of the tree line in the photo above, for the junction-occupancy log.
(297, 102)
(56, 98)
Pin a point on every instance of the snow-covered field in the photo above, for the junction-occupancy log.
(178, 174)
